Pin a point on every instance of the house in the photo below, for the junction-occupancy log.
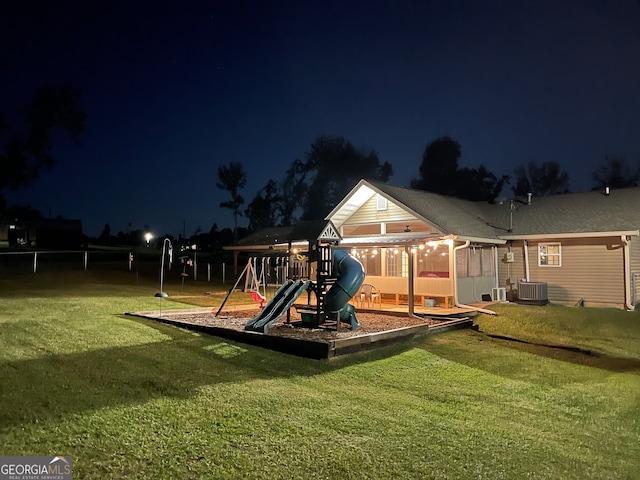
(419, 247)
(42, 233)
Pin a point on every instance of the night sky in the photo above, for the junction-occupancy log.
(175, 89)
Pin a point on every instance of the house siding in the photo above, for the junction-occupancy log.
(368, 213)
(510, 270)
(634, 266)
(592, 271)
(634, 254)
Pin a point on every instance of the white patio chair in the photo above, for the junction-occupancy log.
(370, 294)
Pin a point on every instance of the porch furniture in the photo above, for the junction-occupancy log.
(370, 294)
(397, 299)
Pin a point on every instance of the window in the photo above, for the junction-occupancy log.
(549, 255)
(475, 262)
(397, 262)
(462, 265)
(488, 264)
(433, 261)
(381, 202)
(370, 259)
(360, 230)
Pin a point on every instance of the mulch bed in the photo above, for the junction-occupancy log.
(369, 323)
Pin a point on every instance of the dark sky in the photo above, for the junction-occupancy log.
(175, 89)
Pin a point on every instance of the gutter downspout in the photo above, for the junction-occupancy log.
(455, 282)
(627, 275)
(526, 261)
(495, 266)
(411, 284)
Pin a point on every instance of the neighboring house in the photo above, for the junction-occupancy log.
(581, 248)
(42, 233)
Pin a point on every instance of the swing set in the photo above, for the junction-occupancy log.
(255, 280)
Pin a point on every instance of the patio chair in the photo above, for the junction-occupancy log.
(370, 294)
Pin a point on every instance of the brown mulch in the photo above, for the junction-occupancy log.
(369, 323)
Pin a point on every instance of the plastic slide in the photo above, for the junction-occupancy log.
(350, 276)
(278, 305)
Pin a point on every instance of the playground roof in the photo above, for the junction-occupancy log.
(267, 238)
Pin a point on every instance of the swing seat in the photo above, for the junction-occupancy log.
(258, 297)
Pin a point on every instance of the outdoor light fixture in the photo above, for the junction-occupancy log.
(162, 293)
(148, 236)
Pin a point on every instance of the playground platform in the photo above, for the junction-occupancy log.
(448, 319)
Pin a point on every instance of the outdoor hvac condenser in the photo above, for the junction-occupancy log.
(533, 293)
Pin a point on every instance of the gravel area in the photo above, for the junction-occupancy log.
(369, 323)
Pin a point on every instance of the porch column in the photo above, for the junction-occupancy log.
(411, 281)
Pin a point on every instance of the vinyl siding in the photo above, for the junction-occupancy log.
(514, 270)
(634, 264)
(634, 254)
(369, 214)
(592, 269)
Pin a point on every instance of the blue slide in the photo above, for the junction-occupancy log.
(278, 305)
(350, 276)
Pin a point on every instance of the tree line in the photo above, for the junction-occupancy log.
(310, 187)
(313, 186)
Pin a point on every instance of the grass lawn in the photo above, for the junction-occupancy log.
(131, 398)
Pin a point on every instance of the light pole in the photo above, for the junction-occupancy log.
(162, 294)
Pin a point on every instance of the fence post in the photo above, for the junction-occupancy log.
(86, 259)
(195, 266)
(208, 272)
(35, 262)
(223, 272)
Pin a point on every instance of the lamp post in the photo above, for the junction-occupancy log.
(162, 294)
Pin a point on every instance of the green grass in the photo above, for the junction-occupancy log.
(132, 398)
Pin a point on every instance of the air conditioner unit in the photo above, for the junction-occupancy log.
(499, 294)
(533, 293)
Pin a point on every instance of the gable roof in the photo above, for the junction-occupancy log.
(567, 214)
(450, 215)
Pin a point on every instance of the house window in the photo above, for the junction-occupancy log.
(381, 202)
(462, 265)
(488, 263)
(361, 230)
(433, 261)
(370, 259)
(475, 262)
(549, 255)
(397, 262)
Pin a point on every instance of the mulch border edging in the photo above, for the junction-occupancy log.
(310, 348)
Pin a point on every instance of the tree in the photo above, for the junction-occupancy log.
(262, 210)
(232, 178)
(478, 184)
(540, 180)
(27, 149)
(105, 236)
(615, 172)
(331, 168)
(293, 188)
(437, 172)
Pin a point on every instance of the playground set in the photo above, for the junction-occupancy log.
(338, 278)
